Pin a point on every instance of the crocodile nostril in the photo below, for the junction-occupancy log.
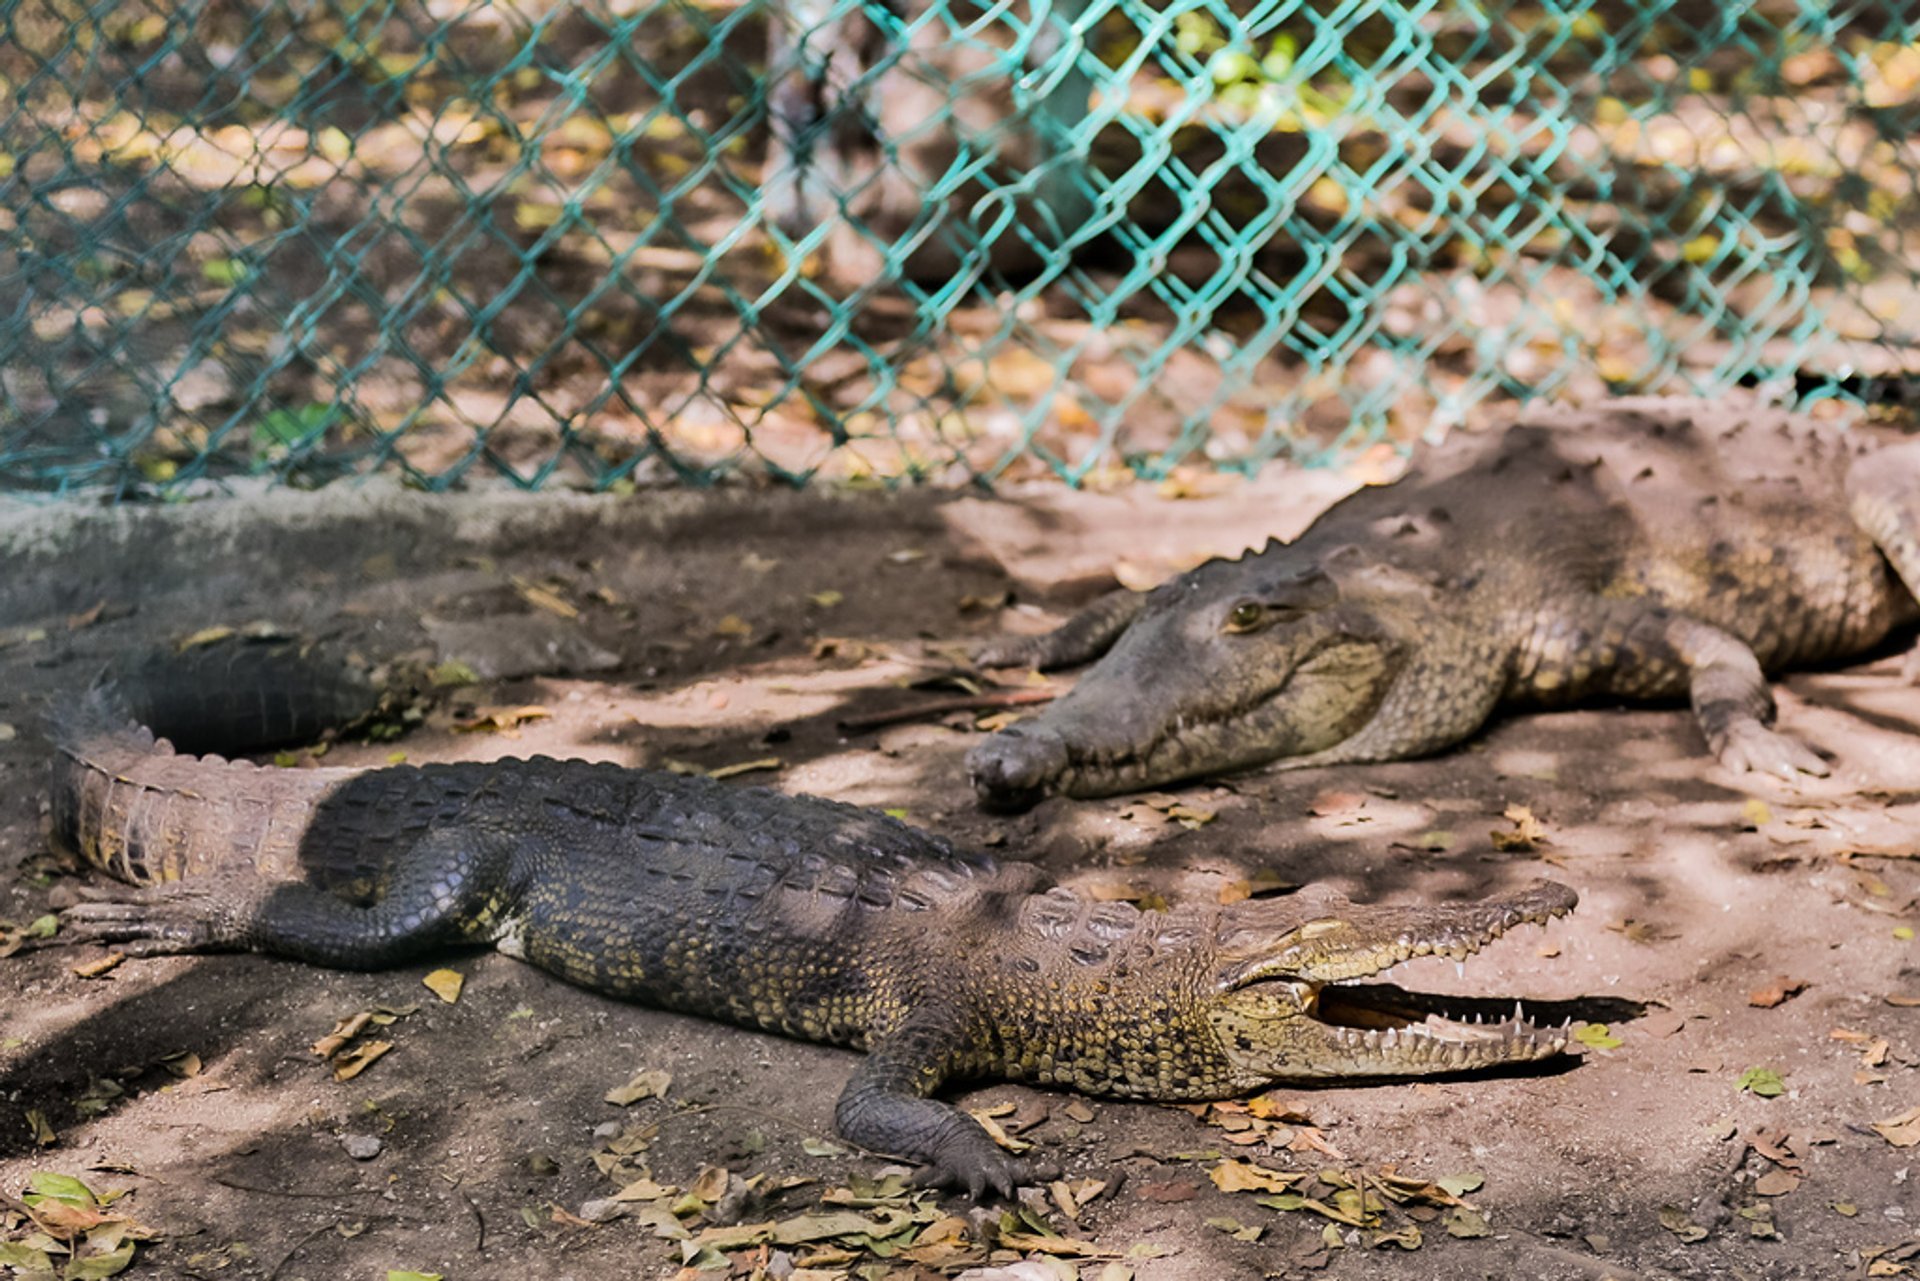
(1016, 767)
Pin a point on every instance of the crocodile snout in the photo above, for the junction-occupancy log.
(1017, 767)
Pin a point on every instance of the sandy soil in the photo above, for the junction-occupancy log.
(721, 629)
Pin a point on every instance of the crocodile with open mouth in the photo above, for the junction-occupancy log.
(1631, 552)
(797, 915)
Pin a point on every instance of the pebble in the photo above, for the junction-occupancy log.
(602, 1210)
(362, 1147)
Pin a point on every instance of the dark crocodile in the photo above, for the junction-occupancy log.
(1623, 553)
(802, 916)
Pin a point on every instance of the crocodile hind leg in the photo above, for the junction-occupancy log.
(447, 889)
(886, 1107)
(1081, 639)
(1883, 494)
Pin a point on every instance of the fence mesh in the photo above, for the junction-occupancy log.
(618, 241)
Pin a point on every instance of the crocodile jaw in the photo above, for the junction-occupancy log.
(1424, 1046)
(1292, 1011)
(1116, 733)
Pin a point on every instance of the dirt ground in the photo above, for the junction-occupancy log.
(721, 629)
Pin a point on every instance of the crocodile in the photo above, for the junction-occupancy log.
(801, 916)
(1642, 551)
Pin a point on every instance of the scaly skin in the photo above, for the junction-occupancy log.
(802, 916)
(1626, 553)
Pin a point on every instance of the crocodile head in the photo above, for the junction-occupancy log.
(1234, 664)
(1285, 1003)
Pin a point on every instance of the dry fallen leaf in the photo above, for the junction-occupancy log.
(1072, 1195)
(1675, 1220)
(1054, 1245)
(1190, 817)
(711, 1183)
(1776, 993)
(182, 1065)
(1309, 1139)
(1527, 832)
(1902, 1131)
(445, 984)
(1641, 931)
(492, 720)
(542, 598)
(1772, 1144)
(647, 1084)
(98, 968)
(359, 1059)
(988, 1122)
(344, 1030)
(644, 1189)
(1285, 1111)
(1244, 1176)
(746, 767)
(205, 636)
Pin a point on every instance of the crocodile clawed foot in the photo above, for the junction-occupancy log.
(154, 921)
(1011, 651)
(1752, 747)
(982, 1168)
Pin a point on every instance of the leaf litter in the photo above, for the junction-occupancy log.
(61, 1227)
(1386, 1206)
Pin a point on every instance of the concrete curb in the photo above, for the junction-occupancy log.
(61, 557)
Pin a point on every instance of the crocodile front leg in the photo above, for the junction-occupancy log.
(1081, 639)
(886, 1107)
(1732, 702)
(450, 888)
(1883, 495)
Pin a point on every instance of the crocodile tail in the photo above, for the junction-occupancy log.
(131, 796)
(101, 715)
(244, 695)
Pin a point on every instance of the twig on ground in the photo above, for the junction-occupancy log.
(941, 706)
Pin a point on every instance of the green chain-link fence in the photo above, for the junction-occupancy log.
(624, 240)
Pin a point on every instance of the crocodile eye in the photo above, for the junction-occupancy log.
(1246, 616)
